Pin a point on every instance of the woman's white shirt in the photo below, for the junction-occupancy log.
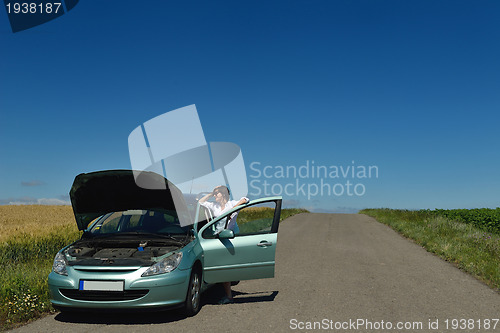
(217, 210)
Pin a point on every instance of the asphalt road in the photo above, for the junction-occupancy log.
(338, 270)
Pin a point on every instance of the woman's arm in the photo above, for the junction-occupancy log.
(242, 201)
(206, 197)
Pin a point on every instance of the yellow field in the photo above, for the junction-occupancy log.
(34, 220)
(41, 220)
(258, 209)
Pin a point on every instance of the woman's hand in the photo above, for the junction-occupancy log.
(242, 201)
(206, 197)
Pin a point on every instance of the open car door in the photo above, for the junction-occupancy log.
(247, 252)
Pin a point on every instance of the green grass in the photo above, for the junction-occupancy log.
(287, 212)
(30, 236)
(469, 247)
(26, 262)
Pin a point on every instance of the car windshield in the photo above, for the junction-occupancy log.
(139, 221)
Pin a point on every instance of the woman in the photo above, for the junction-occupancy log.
(220, 206)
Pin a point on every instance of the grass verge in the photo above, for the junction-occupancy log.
(287, 212)
(470, 248)
(26, 261)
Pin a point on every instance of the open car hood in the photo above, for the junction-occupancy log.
(98, 193)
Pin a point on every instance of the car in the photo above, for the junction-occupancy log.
(134, 253)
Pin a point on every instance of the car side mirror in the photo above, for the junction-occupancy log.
(226, 234)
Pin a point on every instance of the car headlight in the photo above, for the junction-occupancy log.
(59, 265)
(164, 266)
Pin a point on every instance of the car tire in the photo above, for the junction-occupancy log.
(193, 297)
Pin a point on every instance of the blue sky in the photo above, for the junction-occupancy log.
(411, 87)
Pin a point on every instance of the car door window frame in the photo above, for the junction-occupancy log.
(274, 226)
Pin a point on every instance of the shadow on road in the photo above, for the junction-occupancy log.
(263, 296)
(210, 297)
(158, 317)
(214, 295)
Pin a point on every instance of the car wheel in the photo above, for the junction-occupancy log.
(193, 297)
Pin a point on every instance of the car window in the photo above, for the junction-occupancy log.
(257, 219)
(109, 224)
(134, 221)
(251, 220)
(205, 216)
(150, 221)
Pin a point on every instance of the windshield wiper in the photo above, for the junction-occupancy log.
(148, 234)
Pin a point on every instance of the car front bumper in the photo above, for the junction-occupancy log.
(158, 291)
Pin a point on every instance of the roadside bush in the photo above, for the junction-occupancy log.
(484, 218)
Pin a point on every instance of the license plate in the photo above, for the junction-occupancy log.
(101, 285)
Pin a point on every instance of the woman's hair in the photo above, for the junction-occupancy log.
(224, 190)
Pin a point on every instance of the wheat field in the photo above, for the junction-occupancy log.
(34, 220)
